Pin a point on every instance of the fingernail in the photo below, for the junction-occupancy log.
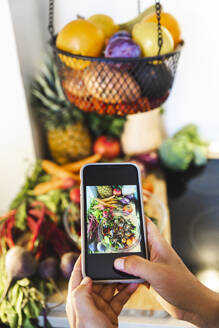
(119, 264)
(85, 281)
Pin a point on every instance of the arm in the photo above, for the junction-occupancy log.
(180, 293)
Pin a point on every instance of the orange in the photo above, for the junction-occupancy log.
(104, 23)
(80, 37)
(169, 21)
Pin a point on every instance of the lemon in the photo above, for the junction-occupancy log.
(146, 36)
(105, 24)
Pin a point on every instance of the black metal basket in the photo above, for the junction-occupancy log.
(118, 86)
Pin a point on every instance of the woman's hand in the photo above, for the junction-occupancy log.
(181, 294)
(95, 306)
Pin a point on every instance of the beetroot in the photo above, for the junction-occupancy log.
(48, 268)
(67, 263)
(19, 263)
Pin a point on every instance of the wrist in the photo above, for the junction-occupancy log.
(208, 316)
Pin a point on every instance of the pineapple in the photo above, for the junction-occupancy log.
(105, 191)
(67, 136)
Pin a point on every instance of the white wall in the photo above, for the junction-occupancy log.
(16, 142)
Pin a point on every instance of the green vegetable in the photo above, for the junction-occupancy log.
(20, 216)
(105, 124)
(30, 183)
(23, 303)
(56, 200)
(184, 148)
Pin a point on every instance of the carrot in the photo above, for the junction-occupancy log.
(105, 204)
(56, 170)
(45, 187)
(148, 185)
(76, 166)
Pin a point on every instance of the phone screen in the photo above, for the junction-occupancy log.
(113, 223)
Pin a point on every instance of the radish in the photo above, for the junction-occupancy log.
(19, 263)
(67, 263)
(48, 269)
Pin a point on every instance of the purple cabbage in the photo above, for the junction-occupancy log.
(120, 34)
(125, 200)
(150, 158)
(130, 197)
(122, 47)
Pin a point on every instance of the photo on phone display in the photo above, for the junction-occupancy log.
(113, 219)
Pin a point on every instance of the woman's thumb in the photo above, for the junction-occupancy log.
(137, 266)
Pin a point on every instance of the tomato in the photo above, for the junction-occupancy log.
(107, 146)
(117, 192)
(169, 21)
(75, 195)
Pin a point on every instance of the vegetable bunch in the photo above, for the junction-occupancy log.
(184, 148)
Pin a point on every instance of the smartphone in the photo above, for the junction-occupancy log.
(112, 219)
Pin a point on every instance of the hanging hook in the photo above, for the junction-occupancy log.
(160, 34)
(139, 6)
(51, 14)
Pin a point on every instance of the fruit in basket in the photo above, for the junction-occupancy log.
(128, 26)
(145, 34)
(109, 85)
(121, 34)
(80, 37)
(105, 23)
(169, 21)
(107, 146)
(154, 79)
(122, 47)
(104, 191)
(68, 137)
(73, 82)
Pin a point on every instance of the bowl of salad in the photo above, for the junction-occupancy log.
(119, 233)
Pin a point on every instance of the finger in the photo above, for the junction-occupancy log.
(76, 276)
(137, 266)
(158, 246)
(97, 288)
(82, 298)
(108, 292)
(122, 297)
(104, 307)
(120, 287)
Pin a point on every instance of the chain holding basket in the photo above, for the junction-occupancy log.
(116, 86)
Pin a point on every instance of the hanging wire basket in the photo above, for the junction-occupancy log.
(116, 86)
